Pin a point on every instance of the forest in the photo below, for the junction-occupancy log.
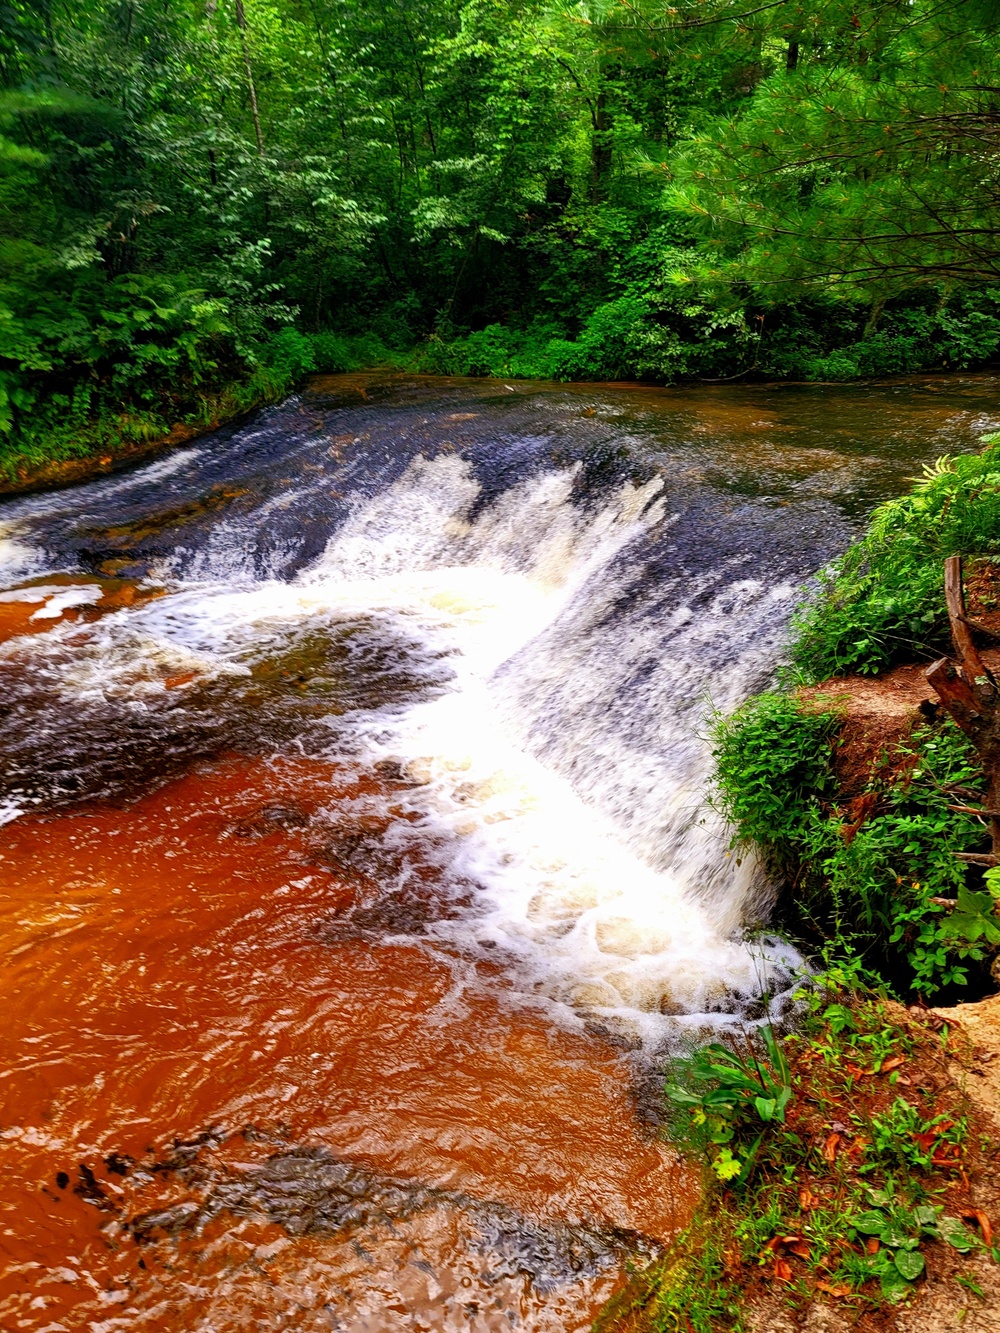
(202, 200)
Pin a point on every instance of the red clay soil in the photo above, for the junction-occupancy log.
(879, 712)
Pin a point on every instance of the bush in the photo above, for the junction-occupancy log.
(883, 601)
(772, 771)
(869, 883)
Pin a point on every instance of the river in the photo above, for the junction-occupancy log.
(357, 869)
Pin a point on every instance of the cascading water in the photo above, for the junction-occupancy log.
(452, 654)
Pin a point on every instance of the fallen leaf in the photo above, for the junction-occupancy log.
(807, 1199)
(800, 1248)
(782, 1270)
(830, 1148)
(894, 1063)
(832, 1290)
(977, 1215)
(872, 1244)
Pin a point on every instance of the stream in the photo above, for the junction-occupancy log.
(356, 865)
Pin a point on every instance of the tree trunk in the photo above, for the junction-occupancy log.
(241, 23)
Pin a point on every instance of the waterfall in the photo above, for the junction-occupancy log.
(557, 760)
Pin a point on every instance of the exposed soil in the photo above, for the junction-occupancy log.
(879, 714)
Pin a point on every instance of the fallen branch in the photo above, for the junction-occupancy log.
(954, 597)
(969, 693)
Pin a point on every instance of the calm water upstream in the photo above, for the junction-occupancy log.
(356, 866)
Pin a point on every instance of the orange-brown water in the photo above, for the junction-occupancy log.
(358, 868)
(22, 616)
(171, 969)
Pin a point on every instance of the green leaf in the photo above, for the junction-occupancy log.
(766, 1107)
(893, 1235)
(726, 1166)
(895, 1287)
(910, 1263)
(950, 1229)
(973, 919)
(870, 1223)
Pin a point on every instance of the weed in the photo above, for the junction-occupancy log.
(732, 1097)
(843, 1185)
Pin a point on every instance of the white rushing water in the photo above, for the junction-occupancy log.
(563, 770)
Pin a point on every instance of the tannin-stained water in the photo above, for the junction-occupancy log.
(357, 866)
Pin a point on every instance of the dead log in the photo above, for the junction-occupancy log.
(961, 634)
(957, 694)
(968, 692)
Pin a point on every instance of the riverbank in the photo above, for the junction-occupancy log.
(115, 442)
(859, 794)
(332, 377)
(865, 1202)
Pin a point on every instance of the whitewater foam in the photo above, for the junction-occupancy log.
(561, 771)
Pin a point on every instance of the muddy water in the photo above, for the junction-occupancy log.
(357, 867)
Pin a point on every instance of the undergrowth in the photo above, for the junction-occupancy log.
(836, 1161)
(873, 874)
(139, 393)
(883, 601)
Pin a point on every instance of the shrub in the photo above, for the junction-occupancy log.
(870, 884)
(773, 771)
(883, 601)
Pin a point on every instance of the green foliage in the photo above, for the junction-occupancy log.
(850, 1161)
(871, 888)
(883, 601)
(482, 187)
(900, 1230)
(838, 168)
(772, 761)
(731, 1095)
(689, 1289)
